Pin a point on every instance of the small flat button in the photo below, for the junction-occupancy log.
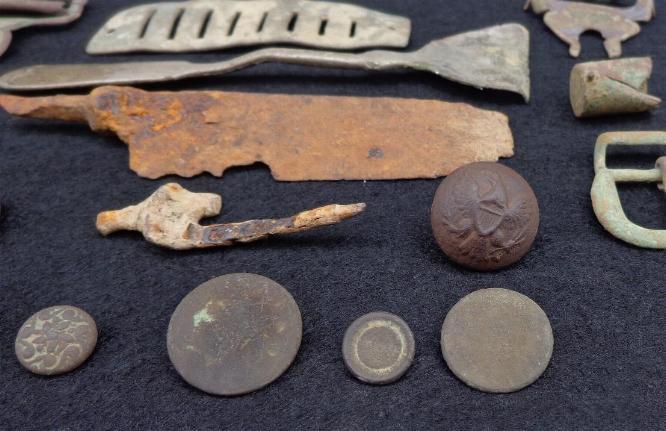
(56, 340)
(234, 334)
(497, 340)
(378, 348)
(485, 216)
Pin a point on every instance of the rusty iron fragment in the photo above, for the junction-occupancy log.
(612, 87)
(214, 24)
(15, 15)
(494, 57)
(606, 199)
(569, 19)
(300, 138)
(170, 218)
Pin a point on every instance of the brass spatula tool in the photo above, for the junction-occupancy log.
(494, 57)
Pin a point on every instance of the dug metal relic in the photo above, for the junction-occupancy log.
(605, 196)
(299, 137)
(485, 216)
(56, 340)
(612, 87)
(378, 348)
(234, 334)
(214, 24)
(494, 57)
(497, 340)
(569, 19)
(47, 7)
(170, 218)
(28, 13)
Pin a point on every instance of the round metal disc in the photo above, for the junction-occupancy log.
(56, 340)
(378, 348)
(485, 216)
(497, 340)
(234, 334)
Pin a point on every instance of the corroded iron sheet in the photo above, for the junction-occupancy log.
(612, 87)
(568, 20)
(299, 137)
(214, 24)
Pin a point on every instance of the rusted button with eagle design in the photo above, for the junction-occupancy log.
(497, 340)
(234, 334)
(378, 348)
(56, 340)
(485, 216)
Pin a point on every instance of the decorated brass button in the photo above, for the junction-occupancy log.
(497, 340)
(378, 348)
(56, 340)
(485, 216)
(234, 334)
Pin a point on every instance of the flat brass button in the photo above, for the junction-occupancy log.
(497, 340)
(56, 340)
(485, 216)
(378, 348)
(234, 334)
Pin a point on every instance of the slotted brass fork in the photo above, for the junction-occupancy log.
(605, 196)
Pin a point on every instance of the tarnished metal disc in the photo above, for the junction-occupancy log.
(485, 216)
(234, 334)
(497, 340)
(56, 340)
(378, 348)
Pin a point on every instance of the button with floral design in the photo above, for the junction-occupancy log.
(56, 340)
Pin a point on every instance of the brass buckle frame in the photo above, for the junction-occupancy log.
(605, 196)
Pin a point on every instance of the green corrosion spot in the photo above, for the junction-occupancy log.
(202, 316)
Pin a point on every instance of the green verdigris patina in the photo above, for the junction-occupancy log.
(605, 196)
(601, 88)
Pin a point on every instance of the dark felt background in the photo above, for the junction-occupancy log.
(605, 299)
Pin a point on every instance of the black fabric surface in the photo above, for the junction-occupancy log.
(605, 299)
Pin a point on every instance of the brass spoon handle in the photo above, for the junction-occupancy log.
(54, 77)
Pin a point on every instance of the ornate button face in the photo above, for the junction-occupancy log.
(234, 334)
(485, 216)
(378, 348)
(497, 340)
(56, 340)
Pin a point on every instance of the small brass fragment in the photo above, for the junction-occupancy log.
(569, 19)
(612, 87)
(28, 13)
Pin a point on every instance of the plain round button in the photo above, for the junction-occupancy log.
(378, 348)
(497, 340)
(56, 340)
(234, 334)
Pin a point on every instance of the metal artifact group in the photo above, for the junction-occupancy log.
(239, 332)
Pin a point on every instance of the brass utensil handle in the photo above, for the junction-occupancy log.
(53, 77)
